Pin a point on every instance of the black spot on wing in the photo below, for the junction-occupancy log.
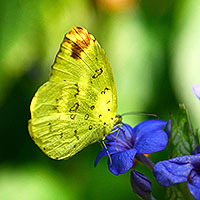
(75, 134)
(97, 73)
(72, 116)
(77, 90)
(74, 107)
(104, 91)
(92, 107)
(86, 116)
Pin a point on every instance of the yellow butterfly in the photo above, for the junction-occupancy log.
(78, 105)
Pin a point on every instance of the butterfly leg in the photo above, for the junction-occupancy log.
(104, 146)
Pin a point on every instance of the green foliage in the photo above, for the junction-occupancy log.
(182, 142)
(183, 139)
(178, 192)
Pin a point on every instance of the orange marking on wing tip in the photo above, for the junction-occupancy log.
(79, 38)
(83, 37)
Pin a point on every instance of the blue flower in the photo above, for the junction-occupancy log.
(180, 169)
(125, 142)
(196, 90)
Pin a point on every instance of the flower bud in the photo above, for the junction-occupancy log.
(196, 150)
(141, 185)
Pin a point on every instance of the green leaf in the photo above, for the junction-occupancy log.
(183, 139)
(179, 191)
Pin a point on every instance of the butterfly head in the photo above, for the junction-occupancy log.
(118, 119)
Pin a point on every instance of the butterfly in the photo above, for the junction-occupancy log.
(78, 105)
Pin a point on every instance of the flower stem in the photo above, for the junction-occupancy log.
(145, 160)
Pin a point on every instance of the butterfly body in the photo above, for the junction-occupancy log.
(78, 105)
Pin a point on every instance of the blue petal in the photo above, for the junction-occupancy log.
(196, 161)
(122, 161)
(195, 186)
(119, 140)
(100, 155)
(116, 146)
(196, 90)
(121, 133)
(150, 136)
(195, 191)
(110, 149)
(175, 170)
(143, 128)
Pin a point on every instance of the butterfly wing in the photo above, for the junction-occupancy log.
(77, 106)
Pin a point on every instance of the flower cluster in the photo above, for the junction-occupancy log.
(126, 144)
(181, 169)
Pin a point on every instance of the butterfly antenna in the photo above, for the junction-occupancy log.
(140, 113)
(104, 145)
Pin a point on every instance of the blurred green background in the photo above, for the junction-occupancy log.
(154, 50)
